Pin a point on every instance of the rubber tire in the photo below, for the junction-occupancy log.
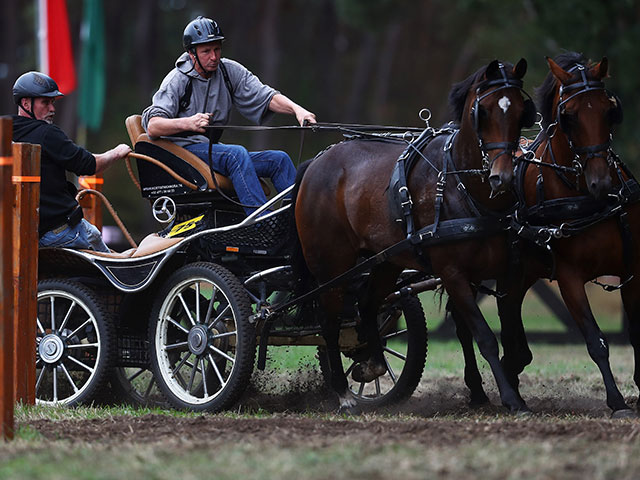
(407, 382)
(104, 360)
(240, 373)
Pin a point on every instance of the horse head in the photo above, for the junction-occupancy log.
(584, 113)
(494, 111)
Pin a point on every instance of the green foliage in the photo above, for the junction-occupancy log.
(371, 15)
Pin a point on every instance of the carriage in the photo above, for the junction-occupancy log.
(185, 311)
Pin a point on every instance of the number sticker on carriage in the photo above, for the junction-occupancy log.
(185, 226)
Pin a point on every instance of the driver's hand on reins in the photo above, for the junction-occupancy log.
(305, 117)
(197, 122)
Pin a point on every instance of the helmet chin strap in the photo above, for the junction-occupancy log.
(28, 112)
(195, 54)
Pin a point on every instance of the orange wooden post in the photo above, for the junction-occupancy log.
(6, 277)
(26, 179)
(91, 204)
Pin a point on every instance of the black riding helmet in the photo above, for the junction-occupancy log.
(35, 84)
(201, 30)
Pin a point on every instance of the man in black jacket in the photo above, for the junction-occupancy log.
(61, 222)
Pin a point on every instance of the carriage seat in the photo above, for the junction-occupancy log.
(142, 143)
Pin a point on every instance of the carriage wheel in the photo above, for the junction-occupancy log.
(202, 347)
(135, 386)
(403, 330)
(74, 343)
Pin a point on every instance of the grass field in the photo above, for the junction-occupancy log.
(286, 426)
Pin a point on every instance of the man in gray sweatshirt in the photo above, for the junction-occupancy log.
(200, 91)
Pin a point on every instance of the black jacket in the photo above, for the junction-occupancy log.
(59, 153)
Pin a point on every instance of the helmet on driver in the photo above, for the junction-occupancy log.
(200, 30)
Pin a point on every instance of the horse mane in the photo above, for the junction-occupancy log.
(459, 91)
(546, 92)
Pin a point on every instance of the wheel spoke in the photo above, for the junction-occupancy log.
(184, 359)
(66, 372)
(79, 328)
(40, 327)
(55, 384)
(385, 322)
(78, 362)
(395, 334)
(44, 368)
(84, 345)
(175, 346)
(221, 353)
(361, 389)
(222, 335)
(68, 315)
(204, 380)
(172, 321)
(147, 392)
(353, 364)
(377, 382)
(211, 302)
(215, 368)
(392, 374)
(192, 376)
(395, 354)
(186, 309)
(52, 301)
(135, 375)
(198, 302)
(219, 317)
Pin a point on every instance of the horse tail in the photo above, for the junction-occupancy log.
(301, 272)
(298, 262)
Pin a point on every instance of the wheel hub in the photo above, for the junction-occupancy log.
(198, 339)
(51, 348)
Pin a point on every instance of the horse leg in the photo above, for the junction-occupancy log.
(330, 325)
(631, 302)
(575, 298)
(463, 298)
(381, 282)
(516, 352)
(472, 377)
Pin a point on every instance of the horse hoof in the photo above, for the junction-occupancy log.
(520, 410)
(351, 411)
(478, 401)
(358, 374)
(523, 413)
(624, 413)
(365, 372)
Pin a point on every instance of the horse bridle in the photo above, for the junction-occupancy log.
(507, 147)
(602, 150)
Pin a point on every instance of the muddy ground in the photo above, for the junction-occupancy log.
(437, 413)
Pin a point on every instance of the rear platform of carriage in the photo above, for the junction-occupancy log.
(181, 317)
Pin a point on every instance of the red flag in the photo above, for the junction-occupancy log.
(56, 55)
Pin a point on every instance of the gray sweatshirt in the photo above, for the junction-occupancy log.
(250, 96)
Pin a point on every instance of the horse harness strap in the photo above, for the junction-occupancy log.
(400, 202)
(581, 212)
(448, 231)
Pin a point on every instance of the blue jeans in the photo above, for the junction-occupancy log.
(244, 168)
(83, 236)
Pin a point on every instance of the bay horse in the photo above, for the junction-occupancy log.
(579, 196)
(343, 214)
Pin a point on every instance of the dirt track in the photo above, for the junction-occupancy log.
(287, 430)
(304, 418)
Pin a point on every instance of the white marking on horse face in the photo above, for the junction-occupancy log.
(504, 104)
